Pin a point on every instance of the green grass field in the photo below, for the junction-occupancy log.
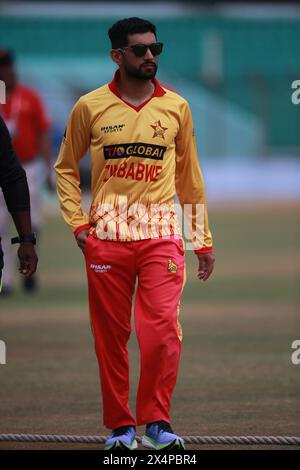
(236, 376)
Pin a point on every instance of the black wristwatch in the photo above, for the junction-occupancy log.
(24, 238)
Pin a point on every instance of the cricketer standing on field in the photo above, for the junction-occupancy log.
(29, 126)
(14, 185)
(142, 149)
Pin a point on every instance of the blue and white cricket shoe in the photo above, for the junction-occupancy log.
(160, 436)
(122, 438)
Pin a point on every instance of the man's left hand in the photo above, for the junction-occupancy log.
(206, 265)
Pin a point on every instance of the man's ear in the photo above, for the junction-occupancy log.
(116, 56)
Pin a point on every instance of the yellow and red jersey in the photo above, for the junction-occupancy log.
(140, 158)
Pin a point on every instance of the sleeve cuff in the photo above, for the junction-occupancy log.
(205, 249)
(80, 228)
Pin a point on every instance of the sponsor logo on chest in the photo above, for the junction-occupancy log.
(138, 149)
(112, 128)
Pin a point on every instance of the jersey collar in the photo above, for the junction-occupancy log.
(158, 91)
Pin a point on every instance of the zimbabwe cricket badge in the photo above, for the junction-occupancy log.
(159, 130)
(172, 267)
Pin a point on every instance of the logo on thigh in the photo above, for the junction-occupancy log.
(100, 268)
(172, 267)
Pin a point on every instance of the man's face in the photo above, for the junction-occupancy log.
(7, 75)
(143, 68)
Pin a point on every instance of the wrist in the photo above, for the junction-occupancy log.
(24, 238)
(204, 250)
(81, 228)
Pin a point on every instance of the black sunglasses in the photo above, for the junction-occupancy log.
(140, 50)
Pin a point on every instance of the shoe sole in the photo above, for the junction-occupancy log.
(118, 445)
(176, 444)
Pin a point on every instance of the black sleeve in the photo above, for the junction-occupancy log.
(13, 179)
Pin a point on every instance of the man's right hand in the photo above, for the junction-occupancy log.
(82, 238)
(28, 259)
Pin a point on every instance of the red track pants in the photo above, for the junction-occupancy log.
(112, 269)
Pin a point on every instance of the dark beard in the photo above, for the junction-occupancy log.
(142, 73)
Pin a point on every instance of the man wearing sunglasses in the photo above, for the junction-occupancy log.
(142, 148)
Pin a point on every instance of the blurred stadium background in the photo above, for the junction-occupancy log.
(235, 64)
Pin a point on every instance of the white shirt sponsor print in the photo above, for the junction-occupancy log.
(100, 268)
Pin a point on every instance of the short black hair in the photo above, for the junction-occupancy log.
(118, 32)
(6, 57)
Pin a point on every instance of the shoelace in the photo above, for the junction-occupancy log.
(121, 430)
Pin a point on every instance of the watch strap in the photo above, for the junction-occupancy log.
(24, 238)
